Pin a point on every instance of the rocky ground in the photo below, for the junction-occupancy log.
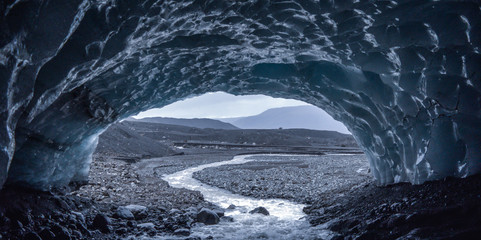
(128, 200)
(341, 195)
(123, 200)
(299, 178)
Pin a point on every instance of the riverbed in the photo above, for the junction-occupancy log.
(286, 220)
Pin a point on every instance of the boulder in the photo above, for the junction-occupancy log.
(139, 212)
(124, 213)
(207, 217)
(261, 210)
(102, 223)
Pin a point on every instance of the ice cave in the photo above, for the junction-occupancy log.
(404, 76)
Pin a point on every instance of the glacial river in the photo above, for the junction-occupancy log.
(286, 219)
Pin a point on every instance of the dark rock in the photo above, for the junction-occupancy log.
(369, 236)
(261, 210)
(20, 215)
(46, 234)
(232, 206)
(337, 237)
(373, 224)
(207, 216)
(170, 224)
(139, 212)
(76, 234)
(79, 216)
(395, 220)
(219, 212)
(124, 213)
(102, 223)
(81, 227)
(184, 220)
(162, 210)
(182, 232)
(120, 231)
(32, 236)
(61, 232)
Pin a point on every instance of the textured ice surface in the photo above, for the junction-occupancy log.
(403, 76)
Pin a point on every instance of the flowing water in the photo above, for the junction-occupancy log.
(286, 219)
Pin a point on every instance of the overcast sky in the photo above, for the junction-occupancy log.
(224, 105)
(219, 105)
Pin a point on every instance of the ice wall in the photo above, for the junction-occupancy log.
(403, 76)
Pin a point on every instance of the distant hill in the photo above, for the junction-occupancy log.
(170, 134)
(307, 117)
(138, 139)
(121, 139)
(196, 122)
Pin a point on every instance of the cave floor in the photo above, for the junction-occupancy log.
(447, 209)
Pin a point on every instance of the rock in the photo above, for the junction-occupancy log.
(102, 223)
(175, 211)
(76, 234)
(261, 210)
(219, 212)
(60, 232)
(227, 219)
(191, 209)
(79, 216)
(184, 220)
(120, 231)
(395, 220)
(140, 212)
(182, 232)
(46, 234)
(207, 217)
(131, 223)
(148, 225)
(161, 209)
(124, 213)
(32, 236)
(232, 206)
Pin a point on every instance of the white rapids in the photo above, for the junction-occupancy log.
(286, 219)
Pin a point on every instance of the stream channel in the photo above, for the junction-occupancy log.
(286, 219)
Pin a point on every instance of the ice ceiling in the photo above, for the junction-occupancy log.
(403, 76)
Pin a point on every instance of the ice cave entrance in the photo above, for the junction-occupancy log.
(249, 112)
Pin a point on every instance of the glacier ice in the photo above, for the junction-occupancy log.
(403, 76)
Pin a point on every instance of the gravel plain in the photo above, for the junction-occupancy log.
(300, 178)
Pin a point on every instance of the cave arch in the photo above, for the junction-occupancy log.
(404, 84)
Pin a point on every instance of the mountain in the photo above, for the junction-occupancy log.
(196, 122)
(307, 117)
